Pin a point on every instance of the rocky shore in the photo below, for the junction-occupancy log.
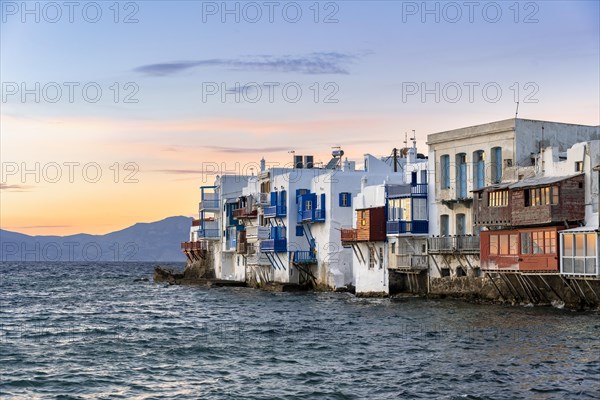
(511, 289)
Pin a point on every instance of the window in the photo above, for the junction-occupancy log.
(478, 169)
(419, 209)
(498, 198)
(405, 209)
(445, 171)
(538, 242)
(579, 253)
(371, 258)
(503, 244)
(579, 166)
(496, 164)
(308, 205)
(493, 244)
(526, 244)
(541, 196)
(513, 245)
(445, 225)
(393, 248)
(461, 175)
(345, 199)
(551, 242)
(461, 226)
(380, 257)
(363, 218)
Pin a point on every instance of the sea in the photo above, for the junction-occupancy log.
(107, 331)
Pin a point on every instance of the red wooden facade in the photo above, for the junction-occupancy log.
(370, 227)
(531, 202)
(526, 249)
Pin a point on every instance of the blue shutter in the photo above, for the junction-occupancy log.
(341, 200)
(282, 198)
(273, 198)
(498, 164)
(445, 171)
(349, 195)
(299, 230)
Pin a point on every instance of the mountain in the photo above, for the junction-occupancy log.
(155, 241)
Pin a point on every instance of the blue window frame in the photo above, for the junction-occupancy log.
(445, 171)
(496, 164)
(345, 199)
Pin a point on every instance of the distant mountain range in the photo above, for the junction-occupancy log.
(155, 242)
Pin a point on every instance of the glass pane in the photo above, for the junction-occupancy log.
(590, 245)
(579, 237)
(525, 243)
(568, 265)
(493, 244)
(579, 265)
(514, 247)
(590, 265)
(548, 242)
(504, 244)
(538, 242)
(568, 245)
(555, 195)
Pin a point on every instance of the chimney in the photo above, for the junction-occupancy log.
(363, 183)
(263, 165)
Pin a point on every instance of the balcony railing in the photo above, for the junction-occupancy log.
(210, 202)
(209, 233)
(314, 215)
(319, 215)
(399, 227)
(275, 211)
(254, 233)
(244, 213)
(453, 244)
(412, 261)
(304, 257)
(349, 235)
(305, 215)
(196, 246)
(420, 189)
(274, 245)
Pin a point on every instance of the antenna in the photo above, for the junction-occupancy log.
(414, 139)
(517, 112)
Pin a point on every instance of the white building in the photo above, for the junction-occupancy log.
(390, 229)
(470, 158)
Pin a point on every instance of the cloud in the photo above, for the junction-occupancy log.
(15, 188)
(310, 64)
(247, 150)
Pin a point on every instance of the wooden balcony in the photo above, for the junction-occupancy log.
(348, 236)
(241, 213)
(411, 262)
(194, 246)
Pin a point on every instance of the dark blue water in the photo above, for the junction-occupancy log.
(92, 331)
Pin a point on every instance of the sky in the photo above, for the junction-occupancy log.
(114, 113)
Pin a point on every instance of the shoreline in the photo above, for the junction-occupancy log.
(471, 291)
